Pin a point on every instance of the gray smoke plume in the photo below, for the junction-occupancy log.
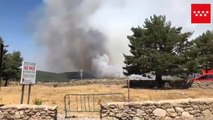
(70, 43)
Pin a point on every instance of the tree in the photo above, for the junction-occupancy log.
(203, 50)
(157, 48)
(11, 66)
(2, 53)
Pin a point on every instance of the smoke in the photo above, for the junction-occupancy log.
(70, 42)
(101, 64)
(91, 34)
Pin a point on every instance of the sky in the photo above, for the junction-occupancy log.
(15, 26)
(19, 23)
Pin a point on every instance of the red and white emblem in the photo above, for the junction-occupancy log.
(200, 13)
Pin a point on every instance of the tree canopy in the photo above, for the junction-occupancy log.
(11, 65)
(203, 50)
(157, 48)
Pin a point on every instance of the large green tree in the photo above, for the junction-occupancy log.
(3, 51)
(203, 50)
(11, 63)
(158, 48)
(11, 66)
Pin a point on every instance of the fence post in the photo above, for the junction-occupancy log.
(128, 84)
(29, 91)
(22, 93)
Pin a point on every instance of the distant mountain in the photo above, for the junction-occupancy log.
(44, 76)
(76, 75)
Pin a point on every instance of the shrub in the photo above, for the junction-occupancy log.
(37, 101)
(55, 85)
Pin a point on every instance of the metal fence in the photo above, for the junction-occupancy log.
(88, 102)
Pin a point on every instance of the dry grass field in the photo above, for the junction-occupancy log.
(54, 95)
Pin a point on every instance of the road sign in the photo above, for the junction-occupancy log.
(28, 74)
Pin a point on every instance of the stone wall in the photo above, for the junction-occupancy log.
(170, 84)
(184, 109)
(86, 82)
(207, 85)
(27, 112)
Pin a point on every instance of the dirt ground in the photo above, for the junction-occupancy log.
(55, 95)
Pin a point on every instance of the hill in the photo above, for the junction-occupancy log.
(44, 76)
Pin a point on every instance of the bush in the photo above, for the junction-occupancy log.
(37, 101)
(55, 85)
(167, 84)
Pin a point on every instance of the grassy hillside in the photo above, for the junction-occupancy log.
(49, 77)
(44, 76)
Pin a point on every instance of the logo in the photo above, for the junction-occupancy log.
(200, 13)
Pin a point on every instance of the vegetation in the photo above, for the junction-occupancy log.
(37, 101)
(11, 65)
(43, 76)
(158, 48)
(202, 52)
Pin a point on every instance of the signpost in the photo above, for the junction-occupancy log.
(28, 76)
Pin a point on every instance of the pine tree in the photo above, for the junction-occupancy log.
(157, 48)
(11, 66)
(203, 50)
(11, 63)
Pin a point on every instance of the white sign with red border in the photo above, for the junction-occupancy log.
(28, 73)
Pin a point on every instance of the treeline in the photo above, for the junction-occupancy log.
(42, 76)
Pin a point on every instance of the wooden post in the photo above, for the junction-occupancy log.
(22, 93)
(29, 92)
(128, 84)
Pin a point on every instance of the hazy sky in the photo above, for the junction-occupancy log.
(113, 17)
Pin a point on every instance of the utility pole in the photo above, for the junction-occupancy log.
(81, 73)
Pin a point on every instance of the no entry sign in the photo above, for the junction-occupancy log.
(28, 74)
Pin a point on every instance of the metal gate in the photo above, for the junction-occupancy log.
(88, 102)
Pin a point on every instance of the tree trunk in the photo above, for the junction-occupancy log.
(158, 80)
(6, 82)
(206, 64)
(206, 68)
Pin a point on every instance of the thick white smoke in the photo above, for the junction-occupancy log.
(101, 64)
(71, 43)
